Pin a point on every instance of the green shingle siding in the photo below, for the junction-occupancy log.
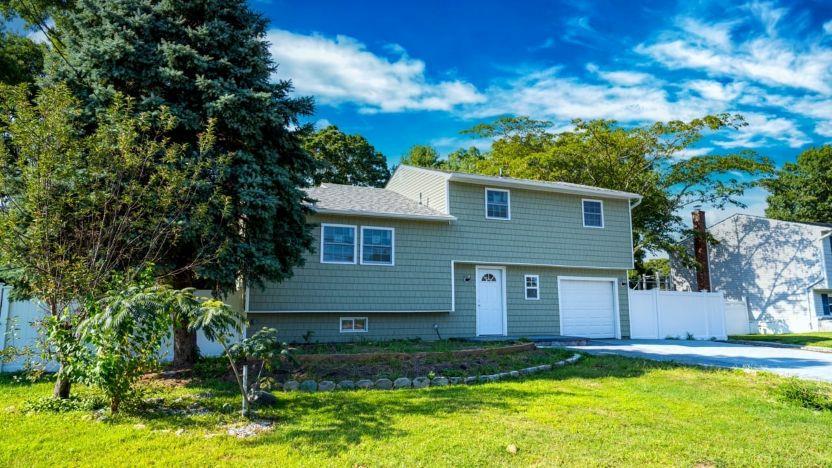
(525, 318)
(545, 229)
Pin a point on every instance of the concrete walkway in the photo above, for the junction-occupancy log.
(783, 361)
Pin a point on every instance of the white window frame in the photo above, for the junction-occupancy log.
(583, 213)
(355, 246)
(508, 203)
(392, 246)
(526, 287)
(353, 319)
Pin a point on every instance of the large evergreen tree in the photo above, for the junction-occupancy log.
(204, 60)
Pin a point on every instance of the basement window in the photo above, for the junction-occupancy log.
(353, 324)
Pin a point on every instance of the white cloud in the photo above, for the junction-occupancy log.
(715, 90)
(341, 69)
(827, 27)
(763, 58)
(449, 144)
(824, 128)
(688, 153)
(762, 130)
(549, 95)
(621, 77)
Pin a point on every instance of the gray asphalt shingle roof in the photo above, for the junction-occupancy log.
(346, 199)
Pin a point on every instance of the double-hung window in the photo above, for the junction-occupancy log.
(338, 243)
(593, 213)
(497, 204)
(377, 245)
(532, 287)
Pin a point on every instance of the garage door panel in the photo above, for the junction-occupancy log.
(587, 308)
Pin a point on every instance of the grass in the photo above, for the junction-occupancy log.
(603, 410)
(396, 346)
(820, 339)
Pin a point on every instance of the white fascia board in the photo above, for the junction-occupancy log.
(381, 214)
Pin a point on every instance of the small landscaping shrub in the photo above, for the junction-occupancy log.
(806, 394)
(62, 405)
(211, 367)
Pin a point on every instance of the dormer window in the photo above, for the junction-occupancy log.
(497, 204)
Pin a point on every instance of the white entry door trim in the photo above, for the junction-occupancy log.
(616, 308)
(480, 323)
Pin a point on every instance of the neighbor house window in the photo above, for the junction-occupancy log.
(532, 287)
(497, 204)
(353, 324)
(593, 213)
(377, 246)
(826, 311)
(338, 243)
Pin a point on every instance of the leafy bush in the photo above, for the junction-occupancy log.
(806, 394)
(210, 367)
(62, 405)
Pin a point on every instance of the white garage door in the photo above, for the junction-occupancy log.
(587, 308)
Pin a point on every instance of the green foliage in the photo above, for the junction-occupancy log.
(802, 190)
(806, 394)
(56, 405)
(463, 160)
(21, 60)
(205, 61)
(124, 331)
(346, 159)
(643, 160)
(421, 156)
(655, 265)
(211, 367)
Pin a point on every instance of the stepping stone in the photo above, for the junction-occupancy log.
(384, 384)
(401, 382)
(346, 385)
(364, 383)
(309, 386)
(421, 382)
(291, 386)
(326, 386)
(439, 382)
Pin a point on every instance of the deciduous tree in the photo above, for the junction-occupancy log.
(346, 159)
(802, 190)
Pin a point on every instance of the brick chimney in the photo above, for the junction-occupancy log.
(700, 251)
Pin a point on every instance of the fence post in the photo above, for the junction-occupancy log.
(707, 310)
(658, 315)
(5, 309)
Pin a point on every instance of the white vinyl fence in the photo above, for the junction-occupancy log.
(18, 329)
(656, 314)
(736, 318)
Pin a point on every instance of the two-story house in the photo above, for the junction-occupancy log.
(443, 254)
(782, 270)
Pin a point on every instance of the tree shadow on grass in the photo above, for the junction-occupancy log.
(334, 422)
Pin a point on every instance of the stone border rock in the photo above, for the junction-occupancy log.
(516, 348)
(311, 386)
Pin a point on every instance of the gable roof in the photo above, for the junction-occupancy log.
(528, 184)
(370, 201)
(827, 226)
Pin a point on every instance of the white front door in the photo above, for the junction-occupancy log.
(490, 302)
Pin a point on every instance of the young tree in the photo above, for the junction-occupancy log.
(82, 208)
(205, 60)
(644, 160)
(463, 160)
(346, 159)
(421, 156)
(802, 190)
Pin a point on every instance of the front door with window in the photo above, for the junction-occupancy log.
(490, 302)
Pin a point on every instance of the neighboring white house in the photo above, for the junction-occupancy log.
(781, 269)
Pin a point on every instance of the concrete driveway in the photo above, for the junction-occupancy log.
(789, 362)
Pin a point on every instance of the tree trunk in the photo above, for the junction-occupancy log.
(185, 351)
(62, 386)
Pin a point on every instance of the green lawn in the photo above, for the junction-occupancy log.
(601, 411)
(822, 339)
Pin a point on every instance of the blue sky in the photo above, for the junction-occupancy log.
(404, 73)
